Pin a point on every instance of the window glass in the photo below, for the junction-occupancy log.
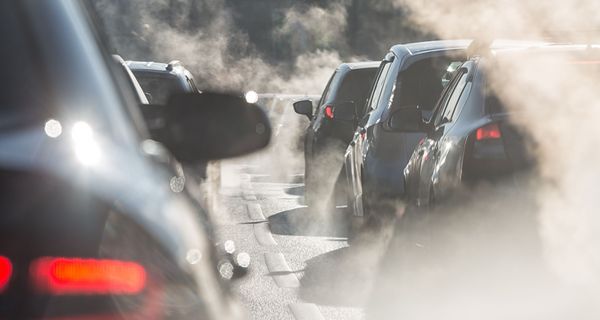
(356, 86)
(159, 86)
(422, 83)
(327, 92)
(443, 102)
(454, 97)
(375, 95)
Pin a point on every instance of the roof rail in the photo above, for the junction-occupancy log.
(174, 63)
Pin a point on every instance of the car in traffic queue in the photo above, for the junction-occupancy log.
(473, 136)
(330, 130)
(93, 226)
(160, 80)
(411, 75)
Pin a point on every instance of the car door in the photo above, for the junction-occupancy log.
(354, 153)
(432, 150)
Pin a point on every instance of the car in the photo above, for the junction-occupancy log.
(410, 75)
(331, 126)
(472, 136)
(160, 80)
(93, 225)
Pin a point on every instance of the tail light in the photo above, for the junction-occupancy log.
(73, 276)
(5, 272)
(488, 132)
(329, 112)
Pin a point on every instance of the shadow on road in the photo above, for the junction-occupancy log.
(295, 191)
(303, 221)
(343, 277)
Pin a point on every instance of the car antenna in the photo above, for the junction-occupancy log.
(173, 64)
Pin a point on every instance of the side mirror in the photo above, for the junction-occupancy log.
(208, 126)
(407, 119)
(304, 107)
(344, 111)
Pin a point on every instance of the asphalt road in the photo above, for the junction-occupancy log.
(298, 257)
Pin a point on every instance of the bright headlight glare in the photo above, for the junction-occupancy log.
(86, 147)
(251, 97)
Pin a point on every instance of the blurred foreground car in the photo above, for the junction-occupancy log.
(93, 225)
(331, 127)
(411, 76)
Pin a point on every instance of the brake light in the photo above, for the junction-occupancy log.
(329, 112)
(5, 272)
(491, 131)
(67, 276)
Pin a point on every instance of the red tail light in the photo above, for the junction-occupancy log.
(5, 272)
(67, 276)
(329, 112)
(491, 131)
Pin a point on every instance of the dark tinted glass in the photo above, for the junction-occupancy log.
(159, 86)
(356, 86)
(18, 105)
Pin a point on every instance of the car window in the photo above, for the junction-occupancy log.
(454, 97)
(159, 86)
(422, 83)
(356, 86)
(327, 92)
(379, 85)
(439, 109)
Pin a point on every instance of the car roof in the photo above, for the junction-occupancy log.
(174, 68)
(415, 48)
(362, 65)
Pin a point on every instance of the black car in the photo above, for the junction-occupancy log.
(410, 76)
(472, 136)
(92, 225)
(331, 127)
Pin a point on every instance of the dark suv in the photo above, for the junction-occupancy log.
(411, 76)
(93, 224)
(332, 123)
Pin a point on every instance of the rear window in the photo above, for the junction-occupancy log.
(159, 86)
(356, 86)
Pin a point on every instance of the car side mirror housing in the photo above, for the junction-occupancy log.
(304, 107)
(344, 111)
(208, 126)
(407, 119)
